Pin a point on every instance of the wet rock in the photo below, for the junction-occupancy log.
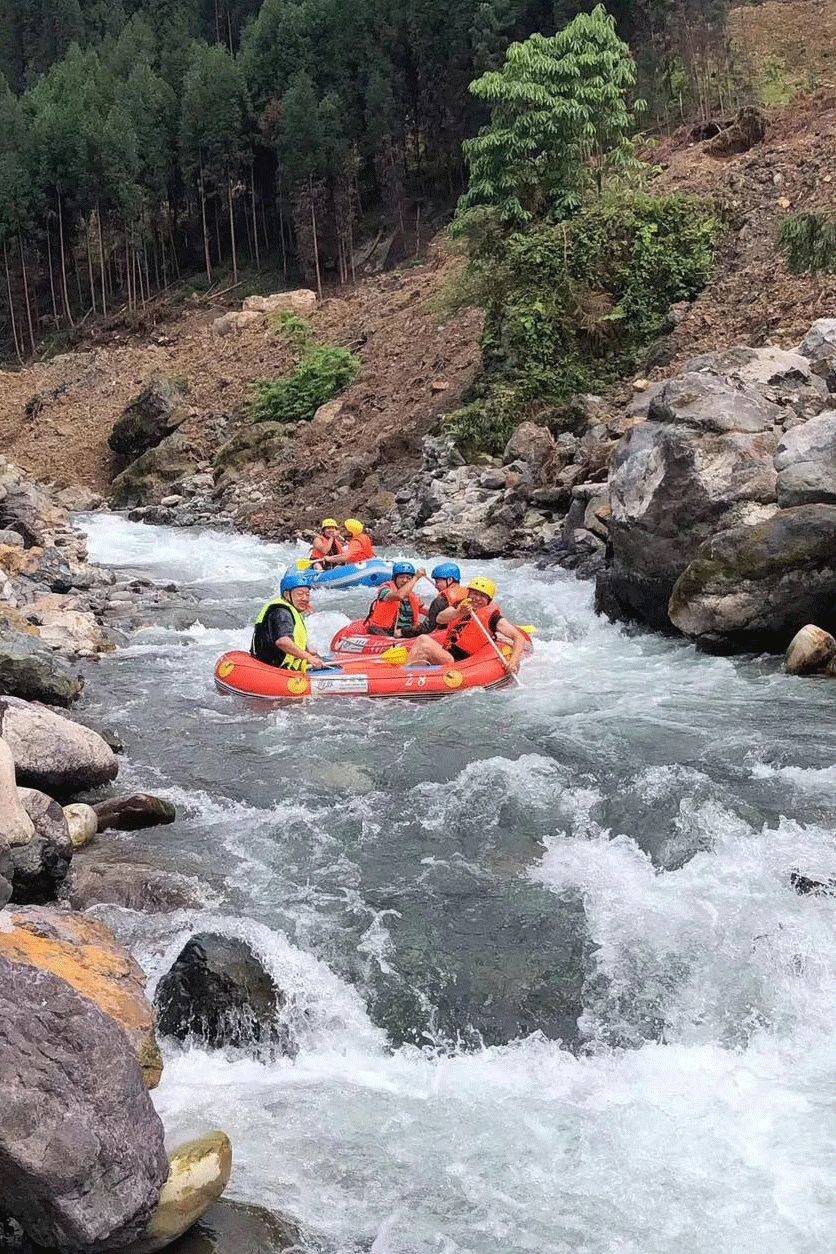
(678, 478)
(40, 865)
(52, 752)
(199, 1172)
(129, 814)
(819, 347)
(805, 885)
(754, 587)
(806, 462)
(16, 827)
(87, 955)
(810, 650)
(28, 669)
(127, 884)
(82, 823)
(299, 301)
(218, 991)
(148, 479)
(149, 418)
(234, 1226)
(82, 1160)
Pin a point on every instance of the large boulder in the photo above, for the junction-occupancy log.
(16, 827)
(754, 587)
(82, 1161)
(819, 347)
(806, 462)
(261, 444)
(787, 379)
(88, 956)
(129, 814)
(127, 884)
(233, 323)
(219, 992)
(300, 301)
(52, 752)
(809, 651)
(148, 479)
(30, 670)
(702, 461)
(532, 448)
(40, 865)
(149, 418)
(199, 1172)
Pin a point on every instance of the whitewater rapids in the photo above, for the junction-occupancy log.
(550, 986)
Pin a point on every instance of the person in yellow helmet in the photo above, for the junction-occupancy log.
(463, 635)
(359, 547)
(328, 544)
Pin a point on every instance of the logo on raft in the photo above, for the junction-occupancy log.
(341, 683)
(453, 679)
(297, 685)
(225, 669)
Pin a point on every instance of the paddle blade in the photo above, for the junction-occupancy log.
(529, 629)
(398, 655)
(303, 563)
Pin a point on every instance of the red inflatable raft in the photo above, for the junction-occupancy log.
(358, 677)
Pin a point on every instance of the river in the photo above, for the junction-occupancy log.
(549, 985)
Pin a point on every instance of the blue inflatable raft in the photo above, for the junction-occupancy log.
(370, 574)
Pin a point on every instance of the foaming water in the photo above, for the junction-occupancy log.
(548, 983)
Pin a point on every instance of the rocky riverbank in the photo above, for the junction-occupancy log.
(82, 1160)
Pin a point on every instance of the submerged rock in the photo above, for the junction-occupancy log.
(755, 587)
(233, 1227)
(40, 865)
(218, 991)
(131, 885)
(82, 1160)
(52, 752)
(129, 814)
(198, 1174)
(30, 670)
(810, 650)
(87, 955)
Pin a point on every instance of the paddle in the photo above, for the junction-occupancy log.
(503, 659)
(304, 563)
(398, 655)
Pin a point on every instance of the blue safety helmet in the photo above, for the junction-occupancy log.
(403, 568)
(294, 579)
(447, 570)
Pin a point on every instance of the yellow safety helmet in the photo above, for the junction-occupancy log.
(353, 526)
(329, 522)
(481, 584)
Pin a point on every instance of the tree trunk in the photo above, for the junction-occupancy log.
(145, 260)
(315, 239)
(90, 266)
(232, 230)
(255, 218)
(128, 271)
(11, 305)
(51, 275)
(101, 261)
(26, 292)
(206, 256)
(64, 291)
(281, 233)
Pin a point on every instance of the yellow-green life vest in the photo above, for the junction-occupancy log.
(300, 632)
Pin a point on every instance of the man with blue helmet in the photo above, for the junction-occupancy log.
(396, 610)
(280, 635)
(447, 578)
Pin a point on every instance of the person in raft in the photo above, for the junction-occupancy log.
(358, 549)
(396, 610)
(447, 578)
(280, 636)
(463, 636)
(328, 544)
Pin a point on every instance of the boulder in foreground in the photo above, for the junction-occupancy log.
(128, 884)
(199, 1173)
(129, 814)
(40, 865)
(810, 650)
(54, 753)
(30, 670)
(82, 1160)
(755, 587)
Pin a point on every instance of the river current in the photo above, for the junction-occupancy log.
(548, 983)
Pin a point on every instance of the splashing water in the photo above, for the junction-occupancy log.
(549, 983)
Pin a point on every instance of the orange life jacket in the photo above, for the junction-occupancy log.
(464, 634)
(384, 614)
(334, 548)
(359, 549)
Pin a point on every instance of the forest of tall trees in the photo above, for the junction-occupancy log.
(144, 139)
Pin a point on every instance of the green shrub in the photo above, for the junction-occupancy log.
(809, 242)
(291, 327)
(320, 376)
(570, 307)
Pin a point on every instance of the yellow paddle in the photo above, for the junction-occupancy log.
(398, 655)
(304, 563)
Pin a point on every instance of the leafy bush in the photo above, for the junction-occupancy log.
(291, 327)
(570, 307)
(322, 373)
(809, 242)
